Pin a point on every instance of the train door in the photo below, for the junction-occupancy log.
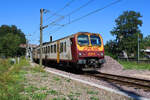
(73, 49)
(58, 52)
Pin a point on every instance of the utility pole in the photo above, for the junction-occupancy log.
(138, 47)
(41, 33)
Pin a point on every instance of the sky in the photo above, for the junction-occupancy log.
(25, 14)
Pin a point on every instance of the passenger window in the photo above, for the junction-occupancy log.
(65, 47)
(54, 48)
(61, 47)
(51, 48)
(46, 49)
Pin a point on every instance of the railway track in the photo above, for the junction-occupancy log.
(123, 80)
(117, 79)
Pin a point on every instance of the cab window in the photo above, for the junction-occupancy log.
(95, 40)
(83, 40)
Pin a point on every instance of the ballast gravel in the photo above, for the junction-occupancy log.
(59, 88)
(128, 90)
(113, 67)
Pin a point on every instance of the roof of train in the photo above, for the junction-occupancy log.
(67, 37)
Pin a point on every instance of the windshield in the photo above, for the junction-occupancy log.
(95, 40)
(83, 40)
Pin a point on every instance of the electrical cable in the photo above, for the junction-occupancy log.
(74, 11)
(67, 5)
(88, 14)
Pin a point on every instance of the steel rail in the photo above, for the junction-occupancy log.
(125, 80)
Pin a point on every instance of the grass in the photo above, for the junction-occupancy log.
(43, 88)
(11, 79)
(35, 93)
(92, 92)
(31, 89)
(39, 96)
(68, 80)
(94, 98)
(38, 69)
(63, 98)
(53, 92)
(135, 65)
(73, 96)
(56, 78)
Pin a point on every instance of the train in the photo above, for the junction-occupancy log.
(82, 50)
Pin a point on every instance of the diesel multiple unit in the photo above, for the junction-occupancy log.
(82, 50)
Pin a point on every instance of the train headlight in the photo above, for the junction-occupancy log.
(80, 54)
(102, 54)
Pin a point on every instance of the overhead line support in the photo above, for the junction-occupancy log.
(41, 32)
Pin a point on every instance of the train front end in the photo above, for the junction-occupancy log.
(90, 51)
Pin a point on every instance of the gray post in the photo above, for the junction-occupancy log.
(41, 33)
(138, 47)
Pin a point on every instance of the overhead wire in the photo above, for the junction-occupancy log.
(88, 14)
(95, 11)
(61, 9)
(72, 12)
(55, 14)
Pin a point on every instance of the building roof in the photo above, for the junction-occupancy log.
(148, 48)
(25, 45)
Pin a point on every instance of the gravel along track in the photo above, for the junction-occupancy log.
(123, 80)
(56, 87)
(113, 67)
(130, 91)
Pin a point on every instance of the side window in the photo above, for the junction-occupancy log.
(46, 50)
(54, 48)
(49, 49)
(42, 50)
(38, 50)
(65, 47)
(61, 47)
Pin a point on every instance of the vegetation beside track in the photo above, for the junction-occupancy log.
(11, 79)
(25, 82)
(135, 65)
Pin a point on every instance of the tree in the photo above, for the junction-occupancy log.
(146, 41)
(111, 48)
(126, 32)
(11, 38)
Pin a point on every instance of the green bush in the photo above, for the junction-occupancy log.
(11, 79)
